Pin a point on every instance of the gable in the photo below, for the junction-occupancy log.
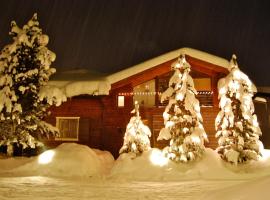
(210, 66)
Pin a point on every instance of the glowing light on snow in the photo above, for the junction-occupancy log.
(46, 157)
(227, 109)
(133, 146)
(166, 116)
(222, 90)
(223, 102)
(169, 124)
(237, 74)
(234, 85)
(195, 140)
(247, 117)
(265, 155)
(157, 158)
(179, 96)
(261, 148)
(185, 129)
(177, 65)
(255, 122)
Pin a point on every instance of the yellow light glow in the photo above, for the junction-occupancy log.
(179, 96)
(222, 90)
(185, 130)
(237, 74)
(177, 65)
(255, 122)
(46, 157)
(157, 158)
(195, 139)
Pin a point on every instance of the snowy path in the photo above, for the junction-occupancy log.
(37, 187)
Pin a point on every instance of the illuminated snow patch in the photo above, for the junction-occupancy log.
(46, 157)
(265, 155)
(157, 158)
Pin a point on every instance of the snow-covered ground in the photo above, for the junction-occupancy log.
(77, 172)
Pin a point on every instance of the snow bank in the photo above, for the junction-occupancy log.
(129, 167)
(68, 160)
(74, 160)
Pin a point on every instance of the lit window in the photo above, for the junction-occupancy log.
(145, 94)
(121, 101)
(68, 128)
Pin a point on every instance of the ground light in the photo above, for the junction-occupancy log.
(158, 158)
(46, 157)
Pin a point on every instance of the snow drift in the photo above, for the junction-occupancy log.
(68, 160)
(210, 166)
(74, 160)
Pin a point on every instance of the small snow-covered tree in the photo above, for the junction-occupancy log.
(236, 124)
(136, 139)
(182, 117)
(24, 69)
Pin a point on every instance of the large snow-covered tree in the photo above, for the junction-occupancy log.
(182, 117)
(24, 69)
(236, 124)
(136, 139)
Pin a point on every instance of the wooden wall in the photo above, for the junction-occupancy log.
(115, 119)
(263, 113)
(90, 110)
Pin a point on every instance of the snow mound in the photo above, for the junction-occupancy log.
(210, 166)
(69, 160)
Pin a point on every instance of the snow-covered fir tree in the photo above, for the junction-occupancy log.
(24, 69)
(237, 127)
(136, 139)
(182, 117)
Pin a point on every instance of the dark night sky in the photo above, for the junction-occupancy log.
(110, 35)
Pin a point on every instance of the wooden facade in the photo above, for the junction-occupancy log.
(102, 123)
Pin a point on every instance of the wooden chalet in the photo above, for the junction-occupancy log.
(99, 119)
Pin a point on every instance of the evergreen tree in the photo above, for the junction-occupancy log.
(236, 124)
(136, 139)
(24, 69)
(182, 117)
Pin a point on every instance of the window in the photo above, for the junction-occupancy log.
(121, 101)
(68, 128)
(145, 94)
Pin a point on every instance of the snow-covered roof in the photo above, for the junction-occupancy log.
(113, 78)
(77, 82)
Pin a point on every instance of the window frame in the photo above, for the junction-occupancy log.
(67, 138)
(123, 101)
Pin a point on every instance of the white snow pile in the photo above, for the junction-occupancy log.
(67, 160)
(87, 87)
(78, 82)
(52, 94)
(153, 166)
(74, 160)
